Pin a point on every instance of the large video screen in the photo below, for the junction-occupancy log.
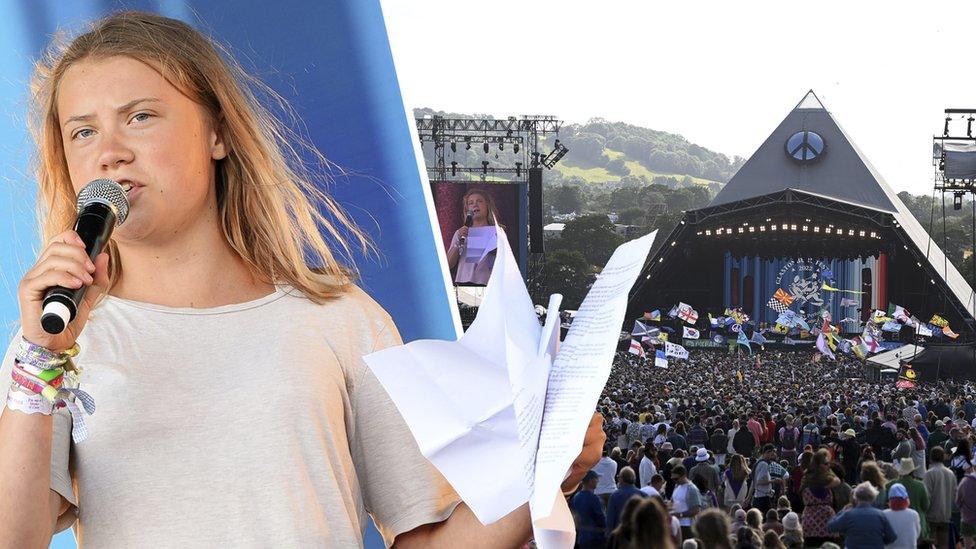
(479, 206)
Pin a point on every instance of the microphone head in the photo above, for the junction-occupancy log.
(108, 192)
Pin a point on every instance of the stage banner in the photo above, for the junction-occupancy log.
(848, 289)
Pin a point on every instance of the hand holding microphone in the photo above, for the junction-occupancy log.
(463, 232)
(54, 299)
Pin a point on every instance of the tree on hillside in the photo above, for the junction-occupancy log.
(591, 235)
(565, 198)
(564, 272)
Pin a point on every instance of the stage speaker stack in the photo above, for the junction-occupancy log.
(536, 245)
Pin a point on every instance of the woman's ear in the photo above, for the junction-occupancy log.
(218, 146)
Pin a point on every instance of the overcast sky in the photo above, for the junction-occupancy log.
(722, 74)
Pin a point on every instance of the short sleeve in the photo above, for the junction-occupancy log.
(61, 447)
(401, 488)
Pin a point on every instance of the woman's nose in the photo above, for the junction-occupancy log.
(113, 152)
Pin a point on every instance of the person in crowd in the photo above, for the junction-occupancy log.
(719, 444)
(792, 536)
(862, 525)
(782, 507)
(763, 483)
(818, 497)
(870, 472)
(712, 529)
(626, 489)
(735, 482)
(623, 534)
(738, 518)
(685, 500)
(606, 468)
(904, 520)
(966, 502)
(941, 484)
(771, 540)
(917, 492)
(651, 525)
(648, 466)
(772, 522)
(591, 522)
(789, 438)
(705, 476)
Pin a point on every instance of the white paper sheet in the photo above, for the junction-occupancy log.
(481, 241)
(498, 401)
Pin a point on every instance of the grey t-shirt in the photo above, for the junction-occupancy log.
(254, 424)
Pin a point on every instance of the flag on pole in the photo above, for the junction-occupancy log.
(636, 348)
(938, 321)
(653, 316)
(829, 288)
(822, 347)
(783, 297)
(891, 326)
(869, 340)
(758, 338)
(777, 305)
(673, 312)
(690, 333)
(848, 302)
(640, 329)
(660, 360)
(743, 340)
(901, 314)
(712, 321)
(677, 351)
(924, 330)
(686, 313)
(949, 333)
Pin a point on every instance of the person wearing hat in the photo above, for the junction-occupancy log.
(850, 452)
(904, 520)
(863, 526)
(591, 523)
(938, 436)
(918, 494)
(792, 536)
(704, 474)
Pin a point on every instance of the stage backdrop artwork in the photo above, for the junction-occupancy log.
(750, 282)
(331, 61)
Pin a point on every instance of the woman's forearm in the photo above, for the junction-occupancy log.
(463, 529)
(28, 506)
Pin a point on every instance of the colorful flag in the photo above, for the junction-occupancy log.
(677, 351)
(783, 297)
(924, 330)
(662, 337)
(907, 377)
(857, 345)
(902, 315)
(758, 338)
(636, 348)
(640, 329)
(743, 340)
(687, 314)
(822, 347)
(653, 316)
(776, 305)
(938, 321)
(829, 288)
(891, 326)
(673, 312)
(880, 317)
(712, 321)
(869, 339)
(949, 333)
(660, 361)
(848, 302)
(781, 329)
(690, 333)
(717, 338)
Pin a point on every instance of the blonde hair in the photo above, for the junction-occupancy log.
(262, 183)
(489, 203)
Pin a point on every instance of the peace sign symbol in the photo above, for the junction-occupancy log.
(805, 146)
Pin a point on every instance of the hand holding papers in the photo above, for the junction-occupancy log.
(505, 399)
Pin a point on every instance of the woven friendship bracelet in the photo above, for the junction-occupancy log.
(33, 383)
(44, 375)
(28, 403)
(38, 356)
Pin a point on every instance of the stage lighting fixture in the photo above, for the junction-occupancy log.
(708, 232)
(957, 200)
(860, 233)
(762, 228)
(673, 242)
(682, 222)
(518, 169)
(816, 229)
(772, 227)
(453, 147)
(728, 230)
(467, 143)
(828, 230)
(515, 147)
(501, 145)
(741, 230)
(793, 227)
(785, 226)
(486, 147)
(919, 263)
(718, 231)
(660, 259)
(752, 229)
(453, 168)
(850, 232)
(484, 166)
(945, 132)
(874, 234)
(805, 228)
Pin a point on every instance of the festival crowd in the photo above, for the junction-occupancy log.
(778, 451)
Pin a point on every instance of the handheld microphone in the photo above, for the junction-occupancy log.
(468, 221)
(102, 206)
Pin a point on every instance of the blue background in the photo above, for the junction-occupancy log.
(331, 61)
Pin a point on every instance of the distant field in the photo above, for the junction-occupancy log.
(601, 175)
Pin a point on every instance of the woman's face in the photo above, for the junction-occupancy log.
(120, 119)
(477, 206)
